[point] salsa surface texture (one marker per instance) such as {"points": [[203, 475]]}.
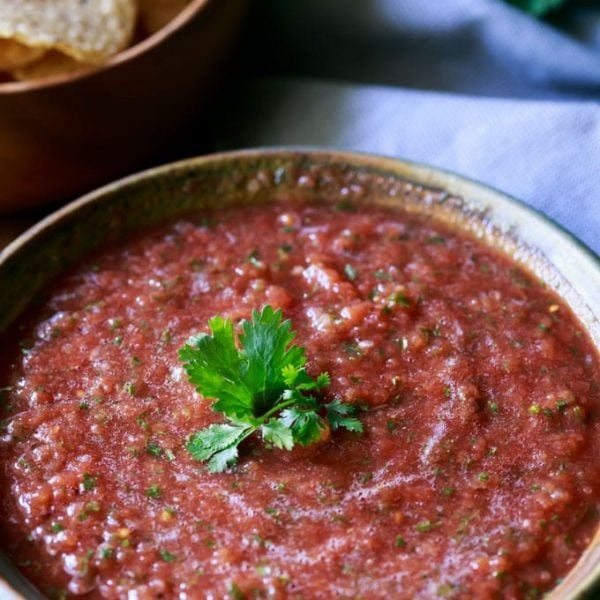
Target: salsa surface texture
{"points": [[477, 476]]}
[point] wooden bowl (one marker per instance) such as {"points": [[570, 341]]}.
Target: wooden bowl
{"points": [[62, 135], [145, 199]]}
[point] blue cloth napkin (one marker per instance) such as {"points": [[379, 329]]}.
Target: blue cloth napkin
{"points": [[474, 86]]}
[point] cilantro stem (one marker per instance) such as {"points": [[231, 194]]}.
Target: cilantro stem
{"points": [[275, 409]]}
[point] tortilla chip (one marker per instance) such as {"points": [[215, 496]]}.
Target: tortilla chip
{"points": [[155, 14], [89, 31], [14, 55], [51, 64]]}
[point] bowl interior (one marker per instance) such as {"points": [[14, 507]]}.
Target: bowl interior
{"points": [[143, 200]]}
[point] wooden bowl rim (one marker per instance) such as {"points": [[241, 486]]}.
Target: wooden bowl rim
{"points": [[194, 8]]}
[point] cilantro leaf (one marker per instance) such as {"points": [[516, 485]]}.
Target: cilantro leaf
{"points": [[214, 365], [215, 438], [260, 385], [340, 415], [296, 396], [323, 380], [278, 433], [220, 461], [266, 346], [297, 377], [307, 425]]}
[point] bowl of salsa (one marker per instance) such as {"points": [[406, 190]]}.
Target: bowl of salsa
{"points": [[299, 374]]}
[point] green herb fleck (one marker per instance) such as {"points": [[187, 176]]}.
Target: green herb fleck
{"points": [[154, 492], [579, 413], [207, 222], [346, 206], [210, 542], [403, 342], [350, 272], [262, 570], [89, 482], [115, 323], [254, 259], [425, 526], [88, 508], [532, 593], [142, 421], [365, 477], [4, 400], [400, 299], [444, 589], [400, 542], [130, 388], [235, 592], [352, 349], [167, 556], [260, 541], [153, 449], [23, 464], [56, 593], [196, 264], [436, 240]]}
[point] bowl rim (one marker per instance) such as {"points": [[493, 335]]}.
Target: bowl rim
{"points": [[417, 172], [193, 8], [420, 168]]}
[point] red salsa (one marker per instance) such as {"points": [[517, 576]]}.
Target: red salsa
{"points": [[477, 475]]}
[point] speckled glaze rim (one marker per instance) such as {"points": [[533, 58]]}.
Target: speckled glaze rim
{"points": [[533, 240], [129, 53]]}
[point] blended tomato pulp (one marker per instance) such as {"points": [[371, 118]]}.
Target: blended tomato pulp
{"points": [[477, 475]]}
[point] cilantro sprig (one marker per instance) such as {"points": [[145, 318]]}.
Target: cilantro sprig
{"points": [[262, 385]]}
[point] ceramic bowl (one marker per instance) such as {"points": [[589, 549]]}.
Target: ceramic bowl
{"points": [[142, 200], [63, 135]]}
